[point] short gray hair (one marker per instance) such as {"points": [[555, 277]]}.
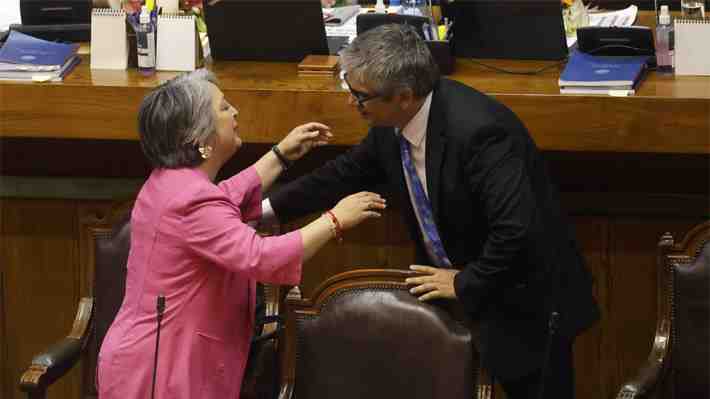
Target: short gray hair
{"points": [[175, 118], [391, 57]]}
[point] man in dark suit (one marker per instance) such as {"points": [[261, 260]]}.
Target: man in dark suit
{"points": [[479, 204]]}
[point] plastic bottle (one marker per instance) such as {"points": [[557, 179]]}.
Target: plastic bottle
{"points": [[412, 7], [664, 42], [145, 43], [380, 7]]}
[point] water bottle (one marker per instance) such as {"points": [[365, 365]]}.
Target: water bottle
{"points": [[664, 42], [145, 43], [414, 7]]}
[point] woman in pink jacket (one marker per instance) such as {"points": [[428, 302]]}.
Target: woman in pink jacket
{"points": [[190, 242]]}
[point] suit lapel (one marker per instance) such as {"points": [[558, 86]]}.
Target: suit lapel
{"points": [[435, 147]]}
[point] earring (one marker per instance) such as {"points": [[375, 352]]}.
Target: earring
{"points": [[205, 151]]}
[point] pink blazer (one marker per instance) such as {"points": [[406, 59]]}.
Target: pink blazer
{"points": [[189, 242]]}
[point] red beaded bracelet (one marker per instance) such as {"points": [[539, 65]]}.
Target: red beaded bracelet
{"points": [[337, 228]]}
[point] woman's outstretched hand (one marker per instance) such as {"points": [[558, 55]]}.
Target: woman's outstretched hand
{"points": [[355, 208], [303, 138]]}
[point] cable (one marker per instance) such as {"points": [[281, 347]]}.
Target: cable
{"points": [[533, 72], [640, 51], [545, 68]]}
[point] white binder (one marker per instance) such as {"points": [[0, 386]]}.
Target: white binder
{"points": [[109, 46], [178, 47]]}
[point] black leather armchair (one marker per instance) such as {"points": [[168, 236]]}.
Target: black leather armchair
{"points": [[362, 335], [678, 366]]}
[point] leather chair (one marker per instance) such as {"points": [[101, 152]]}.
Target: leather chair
{"points": [[363, 335], [107, 256], [678, 366]]}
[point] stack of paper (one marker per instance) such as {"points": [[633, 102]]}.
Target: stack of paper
{"points": [[24, 57], [591, 74]]}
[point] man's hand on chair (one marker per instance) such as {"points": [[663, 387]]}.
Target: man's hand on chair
{"points": [[437, 283]]}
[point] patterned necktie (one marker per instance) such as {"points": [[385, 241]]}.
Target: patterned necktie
{"points": [[422, 206]]}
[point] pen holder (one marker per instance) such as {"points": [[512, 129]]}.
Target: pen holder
{"points": [[441, 51]]}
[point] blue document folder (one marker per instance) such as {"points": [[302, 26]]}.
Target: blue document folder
{"points": [[602, 71], [23, 52]]}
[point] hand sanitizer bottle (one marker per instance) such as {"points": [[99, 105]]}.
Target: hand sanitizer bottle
{"points": [[145, 43], [664, 42]]}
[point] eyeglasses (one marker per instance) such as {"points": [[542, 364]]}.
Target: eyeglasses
{"points": [[359, 96]]}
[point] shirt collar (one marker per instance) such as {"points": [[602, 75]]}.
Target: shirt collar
{"points": [[415, 130]]}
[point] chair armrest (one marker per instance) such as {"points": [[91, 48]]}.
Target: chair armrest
{"points": [[642, 384], [286, 349], [58, 359], [648, 375], [484, 384], [269, 331]]}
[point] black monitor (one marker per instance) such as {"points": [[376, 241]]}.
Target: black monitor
{"points": [[265, 30], [512, 29]]}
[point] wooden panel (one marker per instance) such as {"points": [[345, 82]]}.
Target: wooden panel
{"points": [[41, 289], [646, 122], [377, 243], [589, 363], [41, 278], [102, 104]]}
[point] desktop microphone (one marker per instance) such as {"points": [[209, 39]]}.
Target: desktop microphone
{"points": [[160, 307], [551, 330]]}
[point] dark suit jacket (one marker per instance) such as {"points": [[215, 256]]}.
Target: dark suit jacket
{"points": [[498, 216]]}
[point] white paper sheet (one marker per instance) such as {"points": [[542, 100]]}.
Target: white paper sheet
{"points": [[9, 14]]}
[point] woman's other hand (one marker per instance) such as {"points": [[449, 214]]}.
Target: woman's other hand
{"points": [[303, 138], [355, 208]]}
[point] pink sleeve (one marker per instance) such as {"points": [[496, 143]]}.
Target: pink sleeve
{"points": [[214, 230], [244, 189]]}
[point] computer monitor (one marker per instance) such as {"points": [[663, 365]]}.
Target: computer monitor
{"points": [[512, 29], [265, 30]]}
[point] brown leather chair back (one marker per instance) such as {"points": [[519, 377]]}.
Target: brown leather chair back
{"points": [[364, 336], [677, 366], [690, 313], [110, 254]]}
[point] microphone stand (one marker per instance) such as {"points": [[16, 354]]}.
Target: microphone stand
{"points": [[160, 307], [551, 330]]}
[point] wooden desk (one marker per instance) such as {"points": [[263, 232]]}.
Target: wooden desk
{"points": [[668, 114]]}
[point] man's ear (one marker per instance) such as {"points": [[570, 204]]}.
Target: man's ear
{"points": [[405, 98]]}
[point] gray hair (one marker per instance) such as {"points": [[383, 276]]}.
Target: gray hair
{"points": [[391, 57], [175, 118]]}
